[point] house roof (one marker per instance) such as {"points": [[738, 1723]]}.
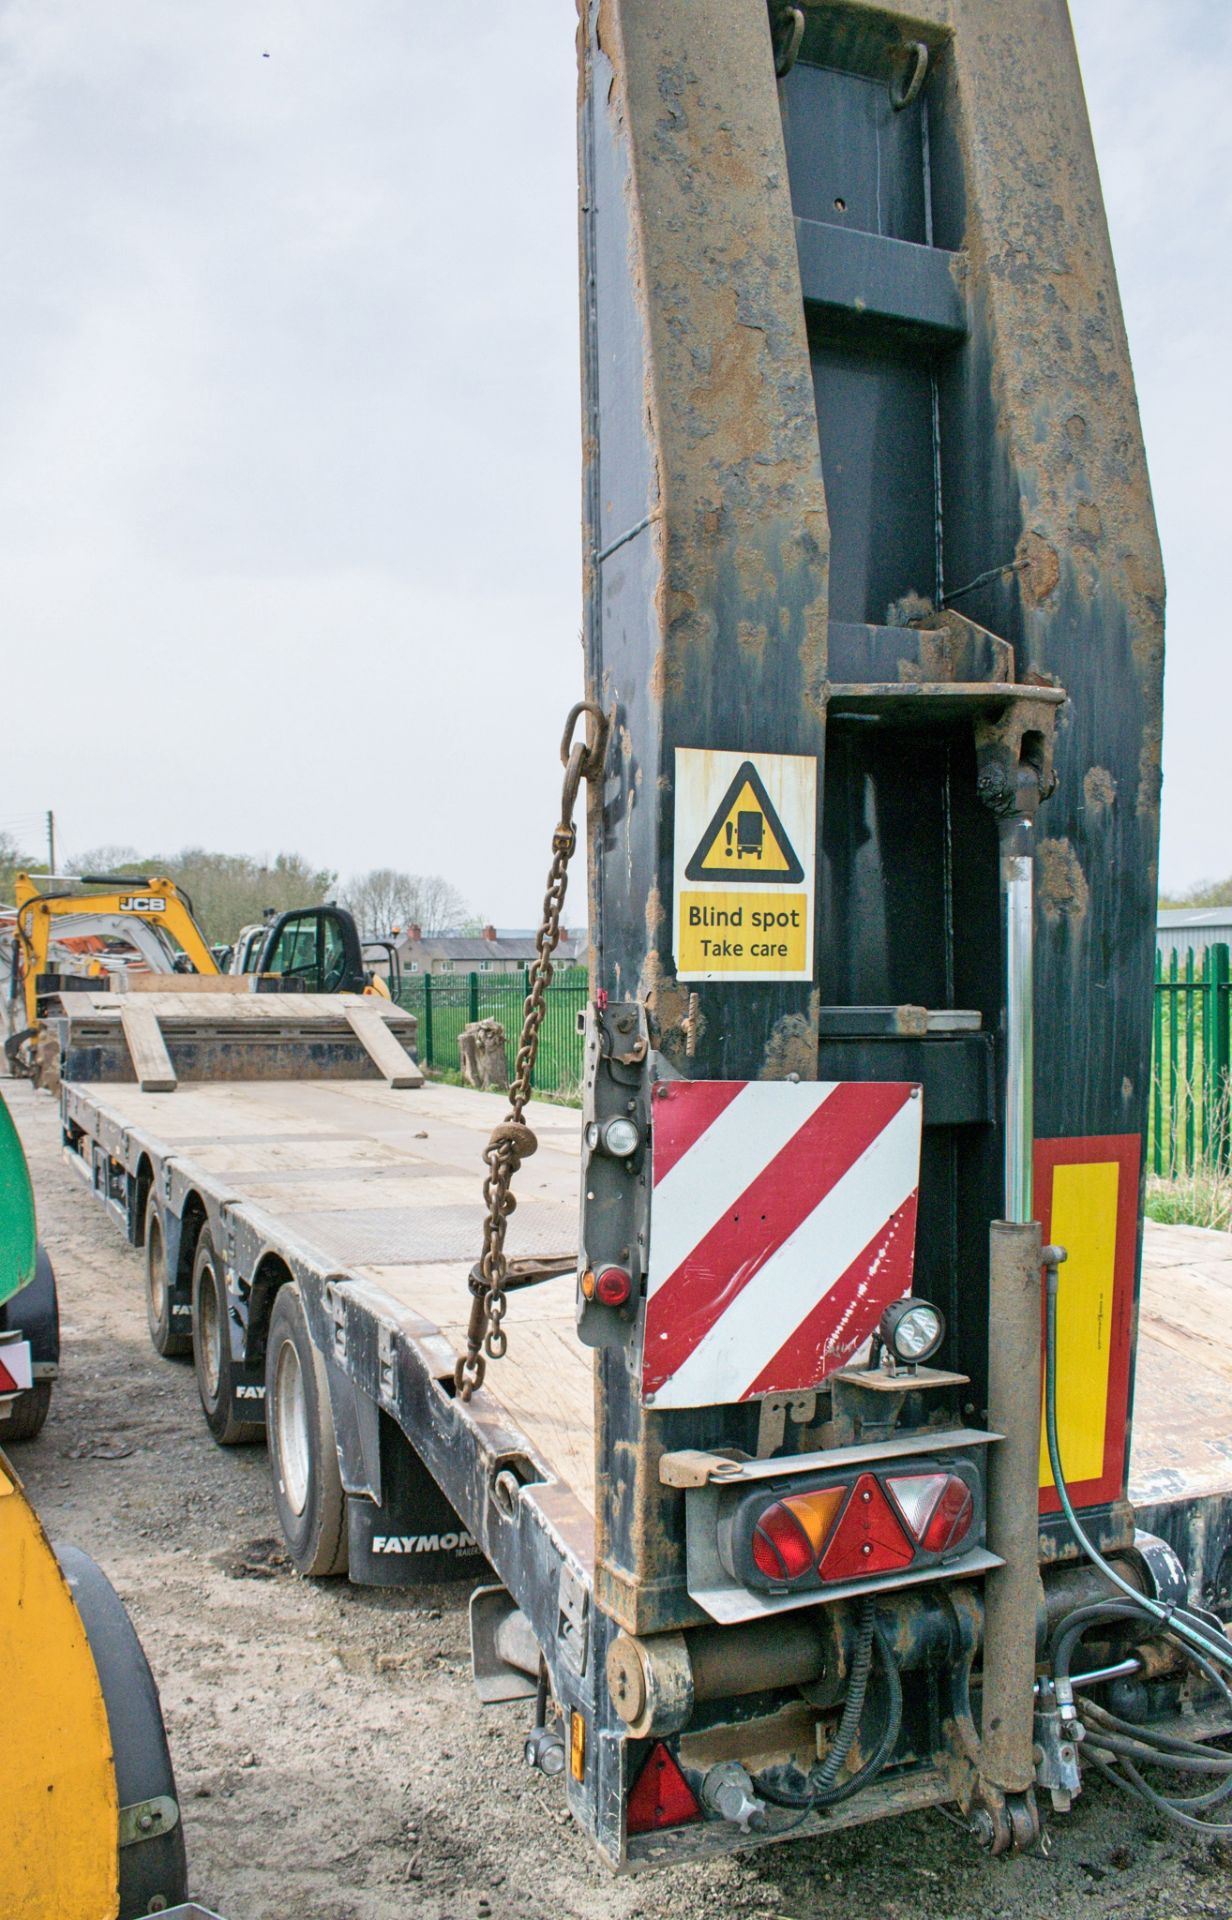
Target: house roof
{"points": [[519, 948], [1195, 917]]}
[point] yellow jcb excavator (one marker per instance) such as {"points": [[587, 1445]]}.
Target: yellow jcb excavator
{"points": [[64, 928]]}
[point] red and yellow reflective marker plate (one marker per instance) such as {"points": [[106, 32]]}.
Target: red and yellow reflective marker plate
{"points": [[1086, 1200]]}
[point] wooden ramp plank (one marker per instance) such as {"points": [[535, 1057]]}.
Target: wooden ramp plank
{"points": [[382, 1046], [151, 1061]]}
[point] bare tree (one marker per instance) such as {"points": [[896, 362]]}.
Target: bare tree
{"points": [[385, 898], [12, 862], [227, 890]]}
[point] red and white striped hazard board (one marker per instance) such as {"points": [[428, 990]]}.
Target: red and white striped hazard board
{"points": [[16, 1370], [782, 1225]]}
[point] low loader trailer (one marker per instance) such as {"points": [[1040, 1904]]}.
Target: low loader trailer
{"points": [[780, 1403]]}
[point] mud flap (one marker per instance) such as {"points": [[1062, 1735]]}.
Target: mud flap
{"points": [[411, 1536]]}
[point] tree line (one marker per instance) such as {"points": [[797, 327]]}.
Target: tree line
{"points": [[228, 891]]}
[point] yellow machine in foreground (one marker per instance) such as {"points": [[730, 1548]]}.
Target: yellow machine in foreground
{"points": [[91, 1827]]}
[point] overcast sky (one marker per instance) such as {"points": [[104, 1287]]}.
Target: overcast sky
{"points": [[289, 418]]}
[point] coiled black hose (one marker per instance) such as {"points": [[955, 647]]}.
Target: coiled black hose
{"points": [[823, 1792], [1117, 1747]]}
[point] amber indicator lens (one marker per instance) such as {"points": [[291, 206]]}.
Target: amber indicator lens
{"points": [[789, 1537]]}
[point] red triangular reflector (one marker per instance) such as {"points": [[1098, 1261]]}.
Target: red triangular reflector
{"points": [[661, 1795], [7, 1382], [868, 1539]]}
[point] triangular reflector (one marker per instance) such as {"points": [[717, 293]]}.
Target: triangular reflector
{"points": [[917, 1495], [868, 1539], [7, 1382], [661, 1795]]}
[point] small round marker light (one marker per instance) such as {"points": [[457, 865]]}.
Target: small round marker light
{"points": [[621, 1137], [912, 1330], [592, 1136], [613, 1287]]}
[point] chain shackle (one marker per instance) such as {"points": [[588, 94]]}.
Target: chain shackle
{"points": [[513, 1141]]}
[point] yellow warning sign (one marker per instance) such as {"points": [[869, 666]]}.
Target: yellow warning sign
{"points": [[742, 933], [746, 840], [745, 859]]}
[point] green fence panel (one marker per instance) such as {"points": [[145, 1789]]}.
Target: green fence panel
{"points": [[445, 1003], [1191, 1066]]}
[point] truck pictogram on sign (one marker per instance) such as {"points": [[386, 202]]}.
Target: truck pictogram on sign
{"points": [[745, 840]]}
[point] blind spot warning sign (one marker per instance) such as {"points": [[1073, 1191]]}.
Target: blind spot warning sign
{"points": [[745, 842], [745, 861]]}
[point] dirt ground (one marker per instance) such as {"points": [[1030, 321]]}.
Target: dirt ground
{"points": [[333, 1761]]}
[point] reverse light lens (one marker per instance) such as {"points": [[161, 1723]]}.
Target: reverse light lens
{"points": [[621, 1138], [613, 1287], [912, 1330]]}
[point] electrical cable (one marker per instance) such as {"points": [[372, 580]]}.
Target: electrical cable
{"points": [[1115, 1746], [871, 1635]]}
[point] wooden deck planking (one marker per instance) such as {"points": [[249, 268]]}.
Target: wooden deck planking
{"points": [[321, 1155]]}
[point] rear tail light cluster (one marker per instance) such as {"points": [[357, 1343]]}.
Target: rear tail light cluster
{"points": [[806, 1533]]}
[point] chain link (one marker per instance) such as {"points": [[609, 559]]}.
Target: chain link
{"points": [[513, 1141]]}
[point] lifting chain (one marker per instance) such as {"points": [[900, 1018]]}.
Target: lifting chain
{"points": [[513, 1141]]}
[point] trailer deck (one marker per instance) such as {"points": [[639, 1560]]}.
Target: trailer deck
{"points": [[382, 1187]]}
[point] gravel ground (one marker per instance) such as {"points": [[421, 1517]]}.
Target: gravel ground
{"points": [[333, 1762]]}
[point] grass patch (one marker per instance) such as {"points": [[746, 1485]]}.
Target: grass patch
{"points": [[1202, 1198]]}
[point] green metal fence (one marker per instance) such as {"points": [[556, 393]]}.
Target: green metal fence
{"points": [[444, 1003], [1191, 1063], [1191, 1079]]}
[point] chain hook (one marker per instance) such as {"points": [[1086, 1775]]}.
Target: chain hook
{"points": [[513, 1141]]}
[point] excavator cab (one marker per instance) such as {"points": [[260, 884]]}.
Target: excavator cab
{"points": [[316, 948]]}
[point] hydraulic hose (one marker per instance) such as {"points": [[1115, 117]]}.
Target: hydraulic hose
{"points": [[1118, 1747], [823, 1792]]}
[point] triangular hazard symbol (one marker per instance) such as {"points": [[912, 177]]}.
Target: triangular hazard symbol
{"points": [[868, 1539], [746, 841], [661, 1796]]}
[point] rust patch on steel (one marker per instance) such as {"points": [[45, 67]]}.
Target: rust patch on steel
{"points": [[1039, 568], [1099, 790], [792, 1045], [1061, 885]]}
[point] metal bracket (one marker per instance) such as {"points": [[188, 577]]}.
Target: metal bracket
{"points": [[775, 1411], [147, 1819], [573, 1625]]}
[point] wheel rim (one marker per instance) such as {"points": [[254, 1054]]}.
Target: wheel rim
{"points": [[291, 1426], [156, 1269], [209, 1331]]}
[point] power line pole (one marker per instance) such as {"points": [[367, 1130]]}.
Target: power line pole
{"points": [[51, 841]]}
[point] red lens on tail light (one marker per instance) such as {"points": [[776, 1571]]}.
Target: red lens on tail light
{"points": [[661, 1796], [613, 1286], [868, 1539], [951, 1518], [782, 1549]]}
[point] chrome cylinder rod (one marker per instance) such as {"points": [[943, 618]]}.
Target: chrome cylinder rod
{"points": [[1017, 889]]}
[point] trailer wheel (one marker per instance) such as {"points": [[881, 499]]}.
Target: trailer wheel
{"points": [[27, 1414], [165, 1336], [212, 1349], [153, 1869], [303, 1453]]}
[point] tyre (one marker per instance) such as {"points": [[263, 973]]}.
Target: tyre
{"points": [[153, 1870], [165, 1335], [212, 1349], [28, 1412], [303, 1454]]}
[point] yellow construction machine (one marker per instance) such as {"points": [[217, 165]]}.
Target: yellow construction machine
{"points": [[79, 928]]}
